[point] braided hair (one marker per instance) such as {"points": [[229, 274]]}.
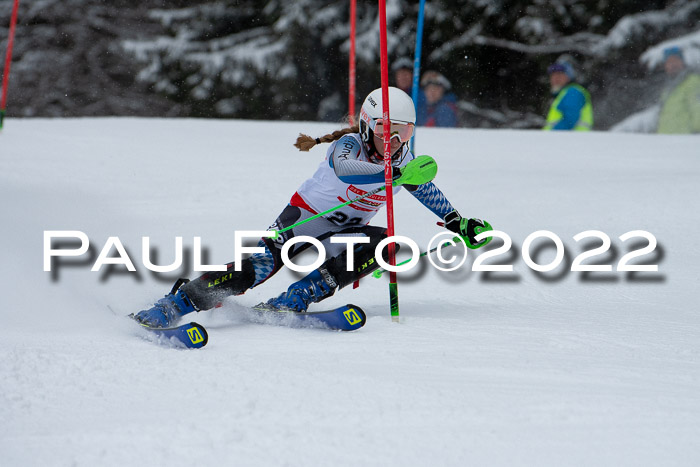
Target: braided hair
{"points": [[306, 142]]}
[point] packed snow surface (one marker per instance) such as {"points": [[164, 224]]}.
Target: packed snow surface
{"points": [[484, 368]]}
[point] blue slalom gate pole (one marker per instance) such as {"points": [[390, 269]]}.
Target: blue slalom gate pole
{"points": [[416, 62]]}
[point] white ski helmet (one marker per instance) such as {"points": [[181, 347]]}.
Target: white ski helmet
{"points": [[401, 111]]}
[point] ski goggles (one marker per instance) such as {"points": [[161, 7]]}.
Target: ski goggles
{"points": [[402, 131]]}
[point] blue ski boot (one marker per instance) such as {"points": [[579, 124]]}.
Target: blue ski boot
{"points": [[166, 311], [313, 288]]}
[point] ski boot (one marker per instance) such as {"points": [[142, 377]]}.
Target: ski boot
{"points": [[167, 310], [313, 288]]}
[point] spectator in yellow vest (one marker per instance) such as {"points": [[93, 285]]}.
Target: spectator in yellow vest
{"points": [[572, 108], [680, 101]]}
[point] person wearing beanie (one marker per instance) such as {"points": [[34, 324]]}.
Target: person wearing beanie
{"points": [[403, 74], [680, 101], [403, 79], [438, 108], [572, 108]]}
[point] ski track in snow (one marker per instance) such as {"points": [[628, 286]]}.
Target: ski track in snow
{"points": [[559, 368]]}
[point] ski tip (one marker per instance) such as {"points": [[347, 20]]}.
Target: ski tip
{"points": [[197, 335], [355, 316], [190, 335]]}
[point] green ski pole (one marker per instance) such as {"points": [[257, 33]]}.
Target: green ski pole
{"points": [[378, 273], [455, 240], [315, 216], [420, 170]]}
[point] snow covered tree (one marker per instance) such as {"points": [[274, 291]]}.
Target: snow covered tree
{"points": [[288, 60]]}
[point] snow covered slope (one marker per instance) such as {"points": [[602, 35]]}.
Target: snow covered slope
{"points": [[506, 368]]}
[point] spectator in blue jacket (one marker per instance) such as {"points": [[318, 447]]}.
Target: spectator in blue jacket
{"points": [[572, 108], [439, 107]]}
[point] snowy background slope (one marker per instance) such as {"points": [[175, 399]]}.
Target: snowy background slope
{"points": [[560, 368]]}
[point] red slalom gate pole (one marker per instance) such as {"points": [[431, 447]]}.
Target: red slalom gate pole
{"points": [[391, 247], [351, 90], [8, 60]]}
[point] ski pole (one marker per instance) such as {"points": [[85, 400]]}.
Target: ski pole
{"points": [[315, 216], [378, 273], [420, 170]]}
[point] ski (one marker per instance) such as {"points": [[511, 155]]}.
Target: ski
{"points": [[194, 335], [344, 318], [190, 335]]}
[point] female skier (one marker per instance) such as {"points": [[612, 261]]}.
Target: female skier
{"points": [[353, 166]]}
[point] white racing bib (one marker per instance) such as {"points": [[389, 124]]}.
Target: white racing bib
{"points": [[324, 190]]}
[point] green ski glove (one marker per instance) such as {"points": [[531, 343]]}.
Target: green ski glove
{"points": [[468, 229]]}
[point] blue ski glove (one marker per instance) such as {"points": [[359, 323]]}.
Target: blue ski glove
{"points": [[467, 229]]}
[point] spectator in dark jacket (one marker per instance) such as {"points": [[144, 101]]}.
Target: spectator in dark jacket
{"points": [[403, 74], [403, 79], [439, 107]]}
